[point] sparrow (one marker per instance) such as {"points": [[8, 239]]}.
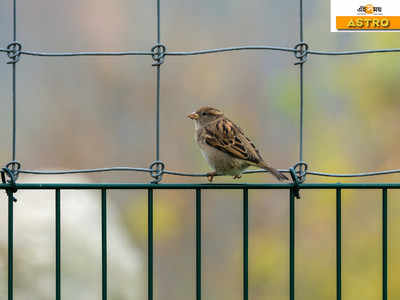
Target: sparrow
{"points": [[224, 145]]}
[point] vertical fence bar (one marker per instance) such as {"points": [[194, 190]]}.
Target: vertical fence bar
{"points": [[158, 116], [384, 246], [338, 244], [245, 244], [10, 244], [58, 244], [150, 244], [10, 197], [291, 247], [301, 88], [104, 243], [301, 114], [158, 87], [14, 91], [198, 244], [14, 88]]}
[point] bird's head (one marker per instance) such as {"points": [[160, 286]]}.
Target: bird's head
{"points": [[205, 115]]}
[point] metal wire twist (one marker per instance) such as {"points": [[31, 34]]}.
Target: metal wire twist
{"points": [[298, 173], [15, 166], [158, 53], [11, 170], [157, 170], [301, 53], [300, 170], [9, 173], [14, 52]]}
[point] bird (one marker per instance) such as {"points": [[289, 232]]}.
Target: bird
{"points": [[224, 145]]}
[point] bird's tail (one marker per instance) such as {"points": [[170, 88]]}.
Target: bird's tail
{"points": [[280, 176]]}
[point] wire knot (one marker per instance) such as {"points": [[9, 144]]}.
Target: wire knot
{"points": [[158, 53], [157, 170], [298, 173], [12, 171], [301, 53], [14, 52], [301, 169]]}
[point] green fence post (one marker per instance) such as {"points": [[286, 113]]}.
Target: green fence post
{"points": [[384, 246], [58, 245], [104, 243], [150, 245], [198, 244], [245, 244], [291, 246], [338, 244], [10, 244]]}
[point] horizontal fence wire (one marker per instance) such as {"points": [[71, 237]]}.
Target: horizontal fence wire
{"points": [[189, 174], [196, 52], [79, 53]]}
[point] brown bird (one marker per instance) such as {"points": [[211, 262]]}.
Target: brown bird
{"points": [[225, 146]]}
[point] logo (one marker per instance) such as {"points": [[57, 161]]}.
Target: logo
{"points": [[365, 15], [369, 9]]}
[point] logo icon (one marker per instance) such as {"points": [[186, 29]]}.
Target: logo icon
{"points": [[369, 9]]}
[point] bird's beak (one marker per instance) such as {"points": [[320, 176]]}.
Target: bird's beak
{"points": [[193, 116]]}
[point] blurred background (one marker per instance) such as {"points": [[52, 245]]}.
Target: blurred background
{"points": [[92, 112]]}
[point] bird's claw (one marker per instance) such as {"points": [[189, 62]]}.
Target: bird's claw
{"points": [[237, 176], [210, 176]]}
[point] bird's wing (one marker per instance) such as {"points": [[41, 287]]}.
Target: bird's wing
{"points": [[225, 136]]}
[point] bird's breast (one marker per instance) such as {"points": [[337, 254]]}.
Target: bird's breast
{"points": [[222, 162]]}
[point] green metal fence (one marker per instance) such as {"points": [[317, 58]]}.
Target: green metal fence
{"points": [[197, 198]]}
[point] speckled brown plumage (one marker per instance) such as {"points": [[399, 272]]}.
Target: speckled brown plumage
{"points": [[225, 146]]}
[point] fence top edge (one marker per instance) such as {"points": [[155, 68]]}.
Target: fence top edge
{"points": [[143, 186]]}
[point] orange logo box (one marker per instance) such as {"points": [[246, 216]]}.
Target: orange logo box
{"points": [[367, 22]]}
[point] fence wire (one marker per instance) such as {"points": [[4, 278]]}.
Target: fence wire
{"points": [[189, 53], [158, 53]]}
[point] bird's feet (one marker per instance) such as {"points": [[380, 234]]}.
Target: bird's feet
{"points": [[237, 176], [210, 176]]}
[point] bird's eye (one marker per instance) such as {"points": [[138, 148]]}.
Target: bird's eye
{"points": [[203, 113]]}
